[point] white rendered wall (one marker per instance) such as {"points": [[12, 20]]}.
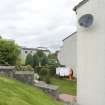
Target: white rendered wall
{"points": [[91, 55], [68, 53], [23, 54]]}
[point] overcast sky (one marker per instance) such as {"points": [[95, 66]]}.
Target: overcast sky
{"points": [[34, 23]]}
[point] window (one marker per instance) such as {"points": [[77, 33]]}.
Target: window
{"points": [[26, 52]]}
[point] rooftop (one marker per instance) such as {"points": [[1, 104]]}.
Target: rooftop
{"points": [[38, 48], [70, 36], [80, 4]]}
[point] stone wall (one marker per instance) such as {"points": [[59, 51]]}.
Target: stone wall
{"points": [[7, 71], [23, 76]]}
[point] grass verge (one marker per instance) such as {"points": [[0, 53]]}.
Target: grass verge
{"points": [[65, 86], [15, 93]]}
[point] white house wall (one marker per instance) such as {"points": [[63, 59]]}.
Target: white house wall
{"points": [[23, 54], [67, 55], [91, 55]]}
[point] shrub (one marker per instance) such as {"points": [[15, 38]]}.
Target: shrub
{"points": [[44, 74], [44, 60], [40, 53], [52, 68], [24, 68], [35, 60], [9, 52], [62, 66], [37, 69], [29, 60]]}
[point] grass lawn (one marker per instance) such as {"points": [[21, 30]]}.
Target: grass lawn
{"points": [[65, 86], [16, 93]]}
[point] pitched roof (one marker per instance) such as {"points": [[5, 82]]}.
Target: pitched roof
{"points": [[25, 48], [80, 4], [38, 48], [70, 36]]}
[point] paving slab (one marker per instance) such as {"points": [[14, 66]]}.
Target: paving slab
{"points": [[67, 98]]}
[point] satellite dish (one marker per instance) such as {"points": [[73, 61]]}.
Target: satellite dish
{"points": [[86, 20]]}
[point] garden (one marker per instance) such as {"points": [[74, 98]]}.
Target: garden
{"points": [[39, 63]]}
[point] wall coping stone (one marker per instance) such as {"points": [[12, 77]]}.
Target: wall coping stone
{"points": [[7, 67]]}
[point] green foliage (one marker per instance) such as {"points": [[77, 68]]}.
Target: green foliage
{"points": [[44, 60], [53, 63], [40, 53], [18, 61], [52, 56], [37, 69], [41, 56], [9, 52], [44, 74], [29, 60], [62, 66], [52, 69], [24, 68], [53, 59], [35, 60]]}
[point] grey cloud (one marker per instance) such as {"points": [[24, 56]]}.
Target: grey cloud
{"points": [[37, 22]]}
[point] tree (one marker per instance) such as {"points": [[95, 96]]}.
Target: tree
{"points": [[44, 60], [40, 53], [35, 60], [29, 60], [53, 59], [9, 52]]}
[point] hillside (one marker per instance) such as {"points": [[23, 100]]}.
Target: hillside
{"points": [[15, 93]]}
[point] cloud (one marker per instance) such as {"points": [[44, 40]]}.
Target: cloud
{"points": [[35, 23]]}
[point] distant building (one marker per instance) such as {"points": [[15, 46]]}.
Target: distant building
{"points": [[91, 53], [68, 52], [25, 51], [44, 49]]}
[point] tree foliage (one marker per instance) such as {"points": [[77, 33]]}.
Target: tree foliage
{"points": [[40, 53], [43, 60], [35, 60], [9, 52], [29, 60], [53, 59]]}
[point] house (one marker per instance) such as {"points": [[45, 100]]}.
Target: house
{"points": [[91, 53], [44, 49], [25, 51], [67, 54]]}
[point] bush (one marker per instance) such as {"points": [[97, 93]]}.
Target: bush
{"points": [[37, 69], [9, 52], [62, 66], [52, 69], [44, 74], [44, 60], [24, 68], [35, 60], [29, 60]]}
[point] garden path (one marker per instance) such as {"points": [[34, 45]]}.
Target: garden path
{"points": [[67, 98]]}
